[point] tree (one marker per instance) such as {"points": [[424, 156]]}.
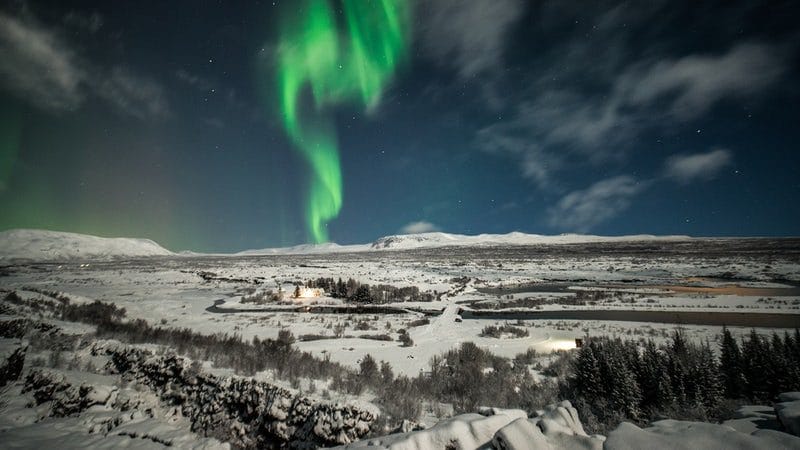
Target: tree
{"points": [[368, 370], [654, 379], [755, 360], [361, 294], [296, 292], [405, 339], [731, 365], [708, 390], [387, 375], [587, 373]]}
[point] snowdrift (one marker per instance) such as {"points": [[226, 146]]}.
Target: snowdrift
{"points": [[558, 427]]}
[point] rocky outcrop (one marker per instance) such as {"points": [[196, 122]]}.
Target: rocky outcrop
{"points": [[18, 328], [788, 411], [12, 361], [556, 427], [65, 398], [245, 412], [676, 434]]}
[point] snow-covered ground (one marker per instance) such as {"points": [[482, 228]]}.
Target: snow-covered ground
{"points": [[41, 245], [509, 277], [668, 274]]}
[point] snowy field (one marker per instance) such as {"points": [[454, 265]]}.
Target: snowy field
{"points": [[488, 285], [505, 294]]}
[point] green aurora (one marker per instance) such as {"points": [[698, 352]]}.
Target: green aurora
{"points": [[349, 62]]}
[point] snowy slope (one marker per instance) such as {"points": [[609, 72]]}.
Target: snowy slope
{"points": [[438, 239], [41, 245], [423, 240], [306, 249]]}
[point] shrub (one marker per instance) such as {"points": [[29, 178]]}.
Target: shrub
{"points": [[503, 330]]}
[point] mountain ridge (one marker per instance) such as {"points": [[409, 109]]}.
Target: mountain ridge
{"points": [[45, 245]]}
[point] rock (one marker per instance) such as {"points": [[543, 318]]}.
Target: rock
{"points": [[65, 399], [675, 434], [245, 412], [407, 426], [523, 434], [788, 397], [749, 418], [11, 363], [788, 411], [557, 427]]}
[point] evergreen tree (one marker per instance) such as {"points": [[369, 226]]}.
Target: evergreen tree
{"points": [[587, 373], [387, 374], [361, 294], [625, 395], [654, 379], [708, 392], [792, 362], [678, 367], [368, 370], [779, 367], [350, 288], [731, 365], [755, 367]]}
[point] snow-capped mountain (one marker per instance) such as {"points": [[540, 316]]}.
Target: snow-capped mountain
{"points": [[438, 239], [306, 249], [42, 245]]}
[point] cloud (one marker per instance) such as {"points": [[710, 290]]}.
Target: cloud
{"points": [[698, 166], [419, 227], [693, 84], [89, 22], [134, 95], [555, 125], [467, 34], [40, 66], [582, 210], [193, 80]]}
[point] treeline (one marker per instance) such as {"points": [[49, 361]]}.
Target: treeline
{"points": [[615, 380], [230, 351], [93, 313], [466, 378], [354, 291]]}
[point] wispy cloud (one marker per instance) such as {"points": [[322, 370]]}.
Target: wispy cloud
{"points": [[556, 124], [582, 210], [38, 66], [698, 166], [193, 80], [91, 22], [418, 227], [134, 95], [694, 83], [467, 34], [41, 66]]}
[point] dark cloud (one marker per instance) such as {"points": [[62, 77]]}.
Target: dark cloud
{"points": [[43, 67], [615, 71]]}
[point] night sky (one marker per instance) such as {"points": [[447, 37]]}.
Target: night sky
{"points": [[166, 120]]}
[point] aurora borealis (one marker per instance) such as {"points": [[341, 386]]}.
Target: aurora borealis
{"points": [[313, 51], [222, 127]]}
